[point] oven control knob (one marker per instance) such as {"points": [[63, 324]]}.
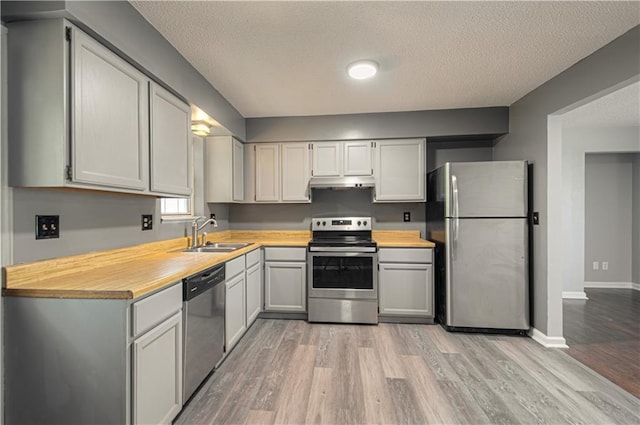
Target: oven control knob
{"points": [[359, 223], [317, 223], [365, 223], [324, 223]]}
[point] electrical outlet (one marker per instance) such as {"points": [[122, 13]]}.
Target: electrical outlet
{"points": [[407, 216], [147, 221], [47, 226], [596, 265], [605, 265]]}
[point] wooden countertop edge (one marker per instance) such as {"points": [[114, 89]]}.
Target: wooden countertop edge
{"points": [[35, 279], [408, 244], [68, 294]]}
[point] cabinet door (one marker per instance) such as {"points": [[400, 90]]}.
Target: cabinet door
{"points": [[327, 159], [267, 173], [285, 288], [254, 292], [399, 170], [295, 172], [250, 173], [157, 373], [170, 132], [110, 117], [238, 171], [406, 289], [357, 159], [234, 315]]}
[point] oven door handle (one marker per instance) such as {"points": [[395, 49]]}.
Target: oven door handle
{"points": [[342, 249]]}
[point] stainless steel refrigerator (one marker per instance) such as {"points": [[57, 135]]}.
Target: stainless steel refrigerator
{"points": [[477, 213]]}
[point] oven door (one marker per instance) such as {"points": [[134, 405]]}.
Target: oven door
{"points": [[344, 275]]}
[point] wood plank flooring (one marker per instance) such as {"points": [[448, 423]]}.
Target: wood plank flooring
{"points": [[290, 371], [603, 333]]}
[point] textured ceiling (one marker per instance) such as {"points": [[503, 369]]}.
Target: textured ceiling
{"points": [[618, 109], [289, 58]]}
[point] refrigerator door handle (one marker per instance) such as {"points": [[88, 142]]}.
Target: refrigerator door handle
{"points": [[454, 197]]}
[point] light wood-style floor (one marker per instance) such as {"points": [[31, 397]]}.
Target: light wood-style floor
{"points": [[295, 372]]}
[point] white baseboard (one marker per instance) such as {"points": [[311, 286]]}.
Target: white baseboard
{"points": [[574, 295], [612, 285], [548, 341]]}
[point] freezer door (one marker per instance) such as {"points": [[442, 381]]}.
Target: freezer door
{"points": [[486, 189], [486, 277]]}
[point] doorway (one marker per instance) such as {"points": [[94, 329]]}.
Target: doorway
{"points": [[598, 324]]}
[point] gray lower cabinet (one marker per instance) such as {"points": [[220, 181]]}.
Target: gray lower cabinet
{"points": [[157, 373], [235, 304], [93, 361], [405, 282], [254, 286], [285, 277]]}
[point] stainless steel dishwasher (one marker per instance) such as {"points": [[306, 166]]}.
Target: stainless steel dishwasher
{"points": [[203, 310]]}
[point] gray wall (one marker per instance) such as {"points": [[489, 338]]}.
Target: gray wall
{"points": [[121, 26], [450, 122], [89, 221], [327, 203], [576, 144], [608, 216], [613, 64], [440, 152], [635, 219]]}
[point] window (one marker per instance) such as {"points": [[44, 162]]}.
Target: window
{"points": [[172, 207]]}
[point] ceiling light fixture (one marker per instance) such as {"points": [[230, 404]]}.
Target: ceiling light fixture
{"points": [[200, 128], [363, 69]]}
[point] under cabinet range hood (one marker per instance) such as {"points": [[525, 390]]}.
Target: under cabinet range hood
{"points": [[345, 182]]}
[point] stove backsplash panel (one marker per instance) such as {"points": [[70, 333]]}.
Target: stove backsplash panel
{"points": [[327, 203]]}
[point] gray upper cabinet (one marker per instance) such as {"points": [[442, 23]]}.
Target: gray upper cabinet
{"points": [[110, 135], [80, 116], [224, 169], [327, 159], [335, 159], [278, 172], [399, 170], [295, 172], [170, 133], [267, 185], [357, 158]]}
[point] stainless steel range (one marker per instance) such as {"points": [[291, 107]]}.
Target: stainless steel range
{"points": [[343, 271]]}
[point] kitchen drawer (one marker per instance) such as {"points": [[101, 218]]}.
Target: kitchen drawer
{"points": [[285, 254], [405, 255], [253, 257], [154, 309], [234, 267]]}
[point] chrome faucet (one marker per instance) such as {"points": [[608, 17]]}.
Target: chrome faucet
{"points": [[195, 229]]}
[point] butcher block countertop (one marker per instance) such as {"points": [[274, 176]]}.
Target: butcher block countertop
{"points": [[400, 239], [133, 272]]}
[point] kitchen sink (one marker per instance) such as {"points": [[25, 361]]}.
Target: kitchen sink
{"points": [[232, 245], [219, 247]]}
